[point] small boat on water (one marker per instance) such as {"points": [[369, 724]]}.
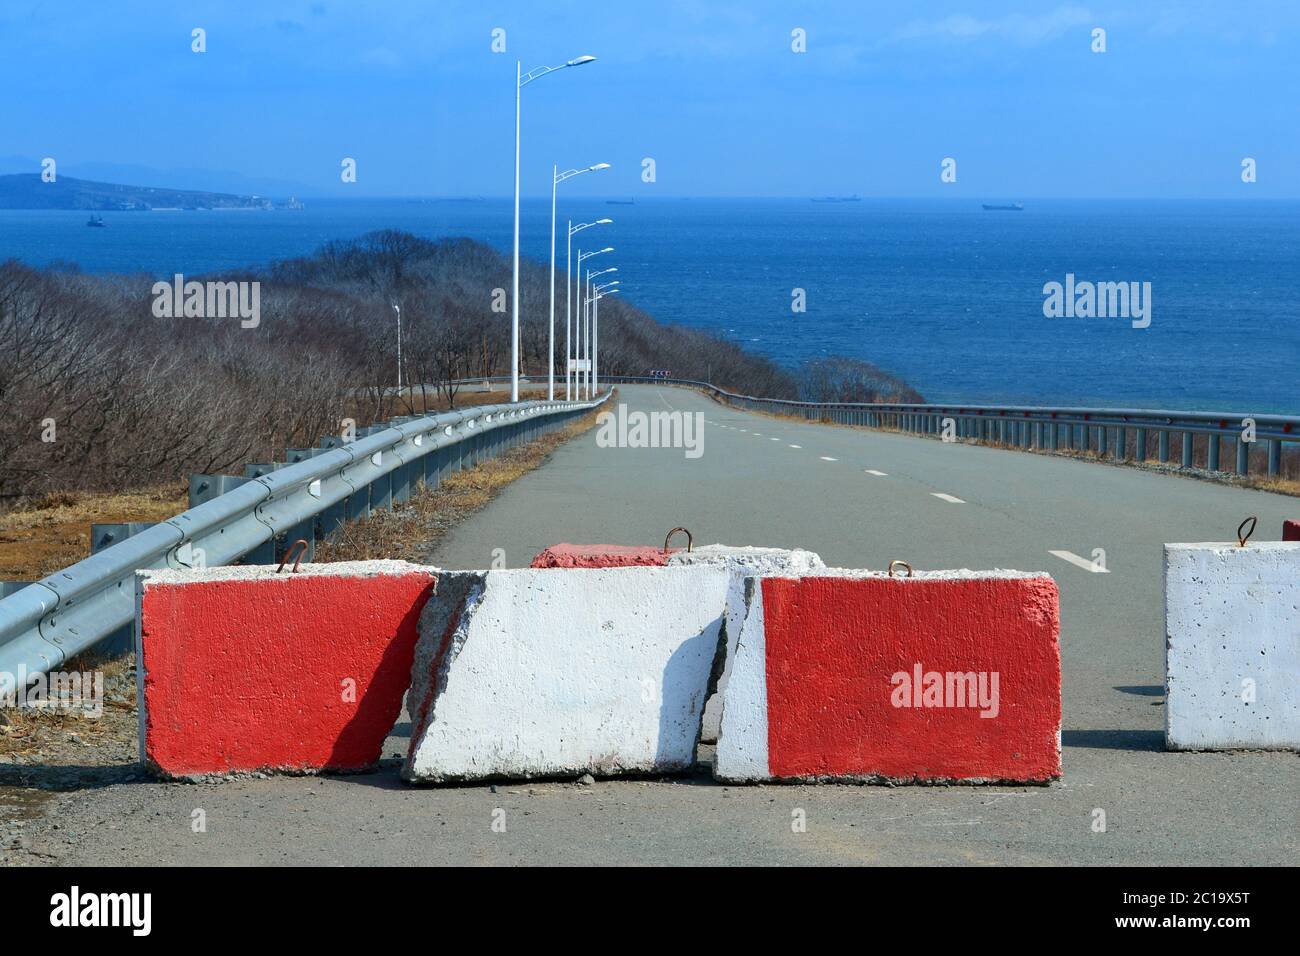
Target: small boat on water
{"points": [[853, 198], [1007, 206], [620, 202], [96, 222]]}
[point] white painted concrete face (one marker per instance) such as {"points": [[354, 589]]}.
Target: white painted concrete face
{"points": [[560, 671], [1232, 646], [741, 562], [742, 741]]}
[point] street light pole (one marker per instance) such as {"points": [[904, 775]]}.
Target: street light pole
{"points": [[587, 331], [398, 309], [521, 80], [558, 177], [568, 289]]}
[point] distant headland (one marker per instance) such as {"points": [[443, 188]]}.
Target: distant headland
{"points": [[30, 191]]}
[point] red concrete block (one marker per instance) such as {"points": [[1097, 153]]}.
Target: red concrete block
{"points": [[600, 556], [924, 679], [244, 669], [1291, 530]]}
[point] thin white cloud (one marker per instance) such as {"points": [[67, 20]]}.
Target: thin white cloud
{"points": [[1028, 30]]}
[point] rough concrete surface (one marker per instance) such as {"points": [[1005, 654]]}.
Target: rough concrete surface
{"points": [[246, 669], [941, 678], [740, 561], [554, 671], [1233, 646]]}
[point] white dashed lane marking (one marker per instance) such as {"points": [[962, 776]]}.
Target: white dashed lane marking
{"points": [[828, 458], [878, 474], [1078, 561], [796, 446], [942, 497]]}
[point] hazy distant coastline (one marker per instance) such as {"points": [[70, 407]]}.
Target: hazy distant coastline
{"points": [[31, 191]]}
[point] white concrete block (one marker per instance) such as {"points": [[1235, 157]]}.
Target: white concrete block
{"points": [[562, 671], [1232, 646], [741, 562]]}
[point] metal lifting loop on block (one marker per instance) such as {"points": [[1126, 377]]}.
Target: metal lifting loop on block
{"points": [[1243, 538], [690, 541], [903, 563], [289, 554]]}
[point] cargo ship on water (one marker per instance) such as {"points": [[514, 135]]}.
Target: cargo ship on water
{"points": [[1005, 206]]}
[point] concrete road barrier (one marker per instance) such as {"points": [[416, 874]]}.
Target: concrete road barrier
{"points": [[244, 669], [549, 672], [740, 562], [1232, 658], [599, 556], [948, 676]]}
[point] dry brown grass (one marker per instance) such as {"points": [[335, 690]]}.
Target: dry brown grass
{"points": [[409, 530], [52, 737], [42, 535]]}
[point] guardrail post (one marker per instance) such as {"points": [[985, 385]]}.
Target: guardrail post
{"points": [[1163, 445], [104, 536], [1243, 456], [1274, 456], [1121, 443], [1187, 449], [271, 551], [332, 518], [1140, 452], [206, 487], [1212, 453]]}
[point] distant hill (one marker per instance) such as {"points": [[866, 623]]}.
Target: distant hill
{"points": [[28, 191]]}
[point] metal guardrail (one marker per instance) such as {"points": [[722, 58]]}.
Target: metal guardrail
{"points": [[1101, 430], [51, 620]]}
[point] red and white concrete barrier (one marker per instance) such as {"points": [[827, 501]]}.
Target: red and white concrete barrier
{"points": [[550, 672], [244, 669], [1232, 653], [950, 676], [1291, 530], [740, 563]]}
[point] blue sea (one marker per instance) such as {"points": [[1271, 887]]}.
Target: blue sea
{"points": [[942, 293]]}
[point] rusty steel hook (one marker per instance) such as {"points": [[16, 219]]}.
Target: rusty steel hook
{"points": [[1243, 538], [690, 540], [903, 563], [289, 554]]}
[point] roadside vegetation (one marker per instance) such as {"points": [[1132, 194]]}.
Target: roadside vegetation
{"points": [[100, 395]]}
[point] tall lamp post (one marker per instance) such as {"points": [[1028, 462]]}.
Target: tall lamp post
{"points": [[584, 331], [568, 297], [558, 177], [521, 80], [600, 292], [398, 309], [591, 339]]}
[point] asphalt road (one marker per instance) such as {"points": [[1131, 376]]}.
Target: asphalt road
{"points": [[860, 499]]}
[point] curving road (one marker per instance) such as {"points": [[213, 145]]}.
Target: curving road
{"points": [[859, 499]]}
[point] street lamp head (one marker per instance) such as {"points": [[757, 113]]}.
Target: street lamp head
{"points": [[608, 249], [598, 166], [603, 222], [579, 60]]}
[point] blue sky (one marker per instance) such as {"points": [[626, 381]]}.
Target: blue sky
{"points": [[712, 91]]}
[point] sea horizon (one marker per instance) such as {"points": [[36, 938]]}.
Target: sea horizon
{"points": [[937, 290]]}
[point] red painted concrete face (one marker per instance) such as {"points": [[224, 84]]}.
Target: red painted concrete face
{"points": [[913, 680], [600, 556], [278, 672], [1291, 530]]}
